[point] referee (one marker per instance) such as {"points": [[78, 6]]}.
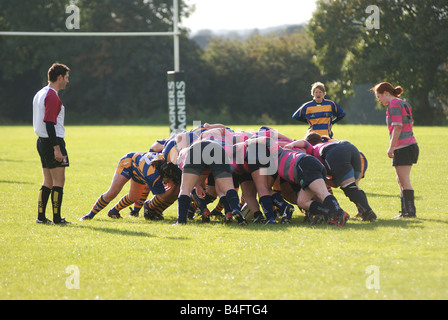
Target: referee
{"points": [[48, 123]]}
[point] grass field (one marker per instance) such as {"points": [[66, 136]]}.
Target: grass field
{"points": [[133, 258]]}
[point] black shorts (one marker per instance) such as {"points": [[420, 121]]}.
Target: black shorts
{"points": [[258, 156], [211, 180], [342, 161], [309, 169], [208, 155], [406, 156], [46, 153]]}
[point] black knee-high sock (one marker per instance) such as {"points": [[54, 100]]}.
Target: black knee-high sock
{"points": [[317, 208], [278, 200], [56, 199], [233, 199], [357, 196], [267, 206], [408, 199], [332, 205], [183, 203], [225, 204], [44, 195], [403, 207]]}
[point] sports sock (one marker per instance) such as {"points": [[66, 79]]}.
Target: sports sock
{"points": [[278, 201], [357, 196], [225, 204], [219, 206], [267, 206], [123, 203], [233, 200], [403, 207], [242, 200], [56, 199], [140, 202], [183, 203], [44, 195], [317, 208], [158, 204], [408, 199], [99, 205], [199, 201], [332, 205]]}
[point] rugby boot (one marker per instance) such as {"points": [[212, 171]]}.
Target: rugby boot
{"points": [[340, 219], [368, 216], [259, 217], [217, 214], [206, 216], [44, 221], [62, 222], [287, 214], [87, 217], [228, 218], [315, 219], [133, 213], [151, 214], [239, 217], [114, 215], [245, 210]]}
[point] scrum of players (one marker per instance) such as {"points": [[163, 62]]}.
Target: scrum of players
{"points": [[257, 177]]}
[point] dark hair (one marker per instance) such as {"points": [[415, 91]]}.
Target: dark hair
{"points": [[166, 169], [386, 86], [56, 70], [170, 170], [314, 138]]}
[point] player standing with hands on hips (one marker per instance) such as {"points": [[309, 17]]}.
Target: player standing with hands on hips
{"points": [[48, 123], [321, 114], [403, 147]]}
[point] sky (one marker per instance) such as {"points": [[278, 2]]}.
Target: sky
{"points": [[247, 14]]}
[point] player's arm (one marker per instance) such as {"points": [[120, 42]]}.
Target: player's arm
{"points": [[298, 115], [396, 115], [339, 114], [393, 140], [209, 126], [52, 109], [54, 142], [302, 144]]}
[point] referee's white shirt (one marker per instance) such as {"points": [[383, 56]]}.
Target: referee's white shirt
{"points": [[39, 113]]}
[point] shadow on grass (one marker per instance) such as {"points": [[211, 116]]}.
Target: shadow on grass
{"points": [[116, 231], [15, 182], [386, 223], [382, 195], [122, 232], [297, 222]]}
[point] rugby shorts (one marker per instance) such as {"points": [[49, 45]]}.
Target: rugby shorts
{"points": [[46, 153]]}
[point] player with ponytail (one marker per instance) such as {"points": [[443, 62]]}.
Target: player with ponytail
{"points": [[403, 147]]}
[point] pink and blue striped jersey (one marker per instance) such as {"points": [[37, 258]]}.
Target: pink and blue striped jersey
{"points": [[399, 113], [287, 163]]}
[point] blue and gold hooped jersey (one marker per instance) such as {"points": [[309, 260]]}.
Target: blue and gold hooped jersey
{"points": [[319, 115], [146, 173], [125, 167]]}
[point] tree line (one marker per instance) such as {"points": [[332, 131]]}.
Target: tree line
{"points": [[239, 80]]}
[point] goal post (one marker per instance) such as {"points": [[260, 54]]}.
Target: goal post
{"points": [[176, 75]]}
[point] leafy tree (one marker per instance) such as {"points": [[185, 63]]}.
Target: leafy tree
{"points": [[410, 48], [113, 78], [266, 76]]}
